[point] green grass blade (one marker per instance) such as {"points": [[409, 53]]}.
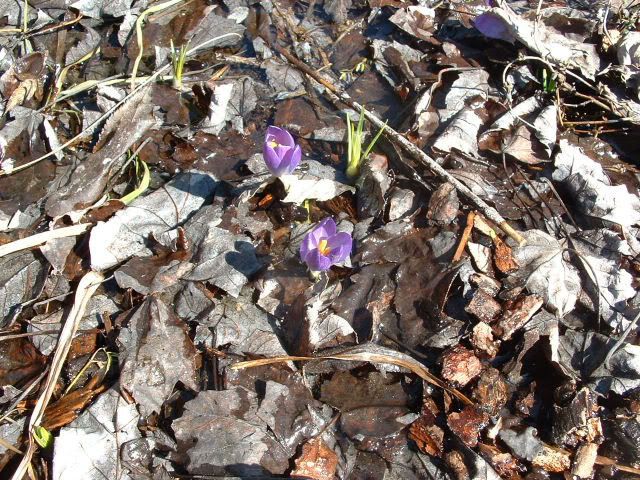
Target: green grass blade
{"points": [[373, 142]]}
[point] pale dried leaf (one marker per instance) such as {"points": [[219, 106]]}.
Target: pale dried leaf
{"points": [[89, 448], [461, 134], [127, 232], [505, 24], [319, 182], [545, 271], [156, 353], [591, 188]]}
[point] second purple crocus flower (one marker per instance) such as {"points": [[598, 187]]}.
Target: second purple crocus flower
{"points": [[323, 246], [281, 154]]}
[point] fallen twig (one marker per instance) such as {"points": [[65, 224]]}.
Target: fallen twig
{"points": [[398, 359], [466, 234], [85, 291], [40, 238], [336, 95]]}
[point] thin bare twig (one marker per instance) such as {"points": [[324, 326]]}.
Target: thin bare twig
{"points": [[621, 340]]}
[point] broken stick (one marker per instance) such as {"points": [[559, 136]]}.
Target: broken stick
{"points": [[336, 95]]}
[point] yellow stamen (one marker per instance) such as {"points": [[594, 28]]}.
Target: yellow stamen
{"points": [[273, 144], [323, 248]]}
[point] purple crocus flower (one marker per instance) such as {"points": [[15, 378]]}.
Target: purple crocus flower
{"points": [[323, 246], [281, 154]]}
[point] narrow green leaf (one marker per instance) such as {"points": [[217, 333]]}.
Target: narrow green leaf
{"points": [[142, 186]]}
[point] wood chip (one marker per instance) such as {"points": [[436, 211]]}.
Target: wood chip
{"points": [[317, 461], [460, 366], [584, 460]]}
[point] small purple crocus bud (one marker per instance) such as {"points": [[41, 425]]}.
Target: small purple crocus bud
{"points": [[493, 26], [323, 246], [281, 154]]}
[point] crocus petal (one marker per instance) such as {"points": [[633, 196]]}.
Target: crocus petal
{"points": [[292, 158], [271, 159], [281, 136], [282, 151], [318, 262], [340, 244], [328, 227], [307, 245]]}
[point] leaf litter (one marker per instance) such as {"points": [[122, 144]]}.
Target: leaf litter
{"points": [[482, 319]]}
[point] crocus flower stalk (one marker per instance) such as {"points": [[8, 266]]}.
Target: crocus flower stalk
{"points": [[323, 246], [281, 154]]}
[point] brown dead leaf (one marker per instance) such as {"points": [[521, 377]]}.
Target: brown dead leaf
{"points": [[19, 361], [503, 463], [29, 67], [503, 257], [68, 408], [25, 91], [429, 438], [317, 461]]}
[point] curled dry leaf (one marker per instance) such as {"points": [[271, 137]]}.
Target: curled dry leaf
{"points": [[591, 188], [25, 91], [428, 436], [418, 21]]}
